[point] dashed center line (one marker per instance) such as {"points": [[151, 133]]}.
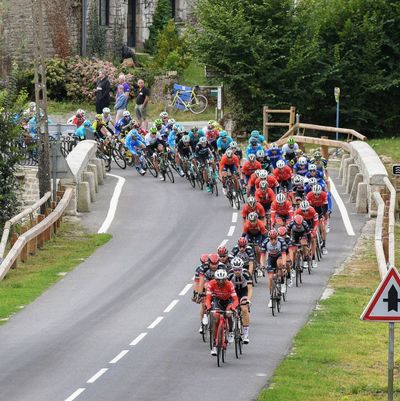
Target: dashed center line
{"points": [[154, 324], [171, 306], [185, 289], [119, 356], [75, 395], [231, 231], [223, 243], [138, 338], [234, 217], [97, 375]]}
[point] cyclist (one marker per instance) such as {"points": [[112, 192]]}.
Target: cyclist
{"points": [[301, 167], [245, 252], [241, 280], [204, 156], [281, 211], [254, 230], [124, 125], [283, 175], [100, 131], [223, 142], [274, 154], [164, 117], [255, 179], [249, 167], [204, 260], [265, 195], [253, 147], [318, 199], [264, 160], [299, 229], [322, 166], [298, 188], [223, 255], [314, 172], [221, 293], [311, 217], [236, 150], [195, 134], [185, 151], [289, 150], [256, 134], [80, 133], [135, 143], [229, 163], [79, 118], [212, 135], [154, 144], [253, 206], [282, 233], [311, 183], [273, 258], [108, 122], [173, 139]]}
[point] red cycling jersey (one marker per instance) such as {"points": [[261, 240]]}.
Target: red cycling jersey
{"points": [[254, 181], [265, 197], [212, 135], [225, 161], [310, 215], [283, 174], [317, 201], [254, 229], [258, 209], [249, 168], [224, 293], [284, 209]]}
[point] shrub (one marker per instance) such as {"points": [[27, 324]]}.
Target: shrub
{"points": [[96, 45], [55, 73]]}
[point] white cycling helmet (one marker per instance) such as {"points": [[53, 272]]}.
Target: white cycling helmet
{"points": [[317, 189], [263, 174], [163, 114], [302, 161], [229, 153], [280, 198], [260, 153], [280, 164], [237, 263], [304, 205], [274, 146], [171, 121], [126, 113], [297, 179], [233, 145], [220, 274], [312, 167], [312, 181], [251, 201], [263, 184], [252, 157], [81, 112], [106, 110], [203, 140], [253, 217]]}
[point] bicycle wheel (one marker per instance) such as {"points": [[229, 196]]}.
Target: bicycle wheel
{"points": [[205, 332], [236, 200], [118, 158], [169, 173], [215, 186], [191, 179], [238, 336], [220, 344], [198, 104], [210, 330], [298, 266], [255, 274], [273, 299], [278, 301]]}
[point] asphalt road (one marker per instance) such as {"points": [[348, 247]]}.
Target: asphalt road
{"points": [[91, 325]]}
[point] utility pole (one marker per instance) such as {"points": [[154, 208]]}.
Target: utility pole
{"points": [[42, 128]]}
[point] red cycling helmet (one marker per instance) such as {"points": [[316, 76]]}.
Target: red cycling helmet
{"points": [[222, 251], [272, 234], [298, 219], [204, 258], [282, 231], [213, 258], [242, 241]]}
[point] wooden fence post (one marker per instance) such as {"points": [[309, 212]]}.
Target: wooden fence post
{"points": [[292, 116], [40, 237], [324, 149], [265, 122], [24, 252]]}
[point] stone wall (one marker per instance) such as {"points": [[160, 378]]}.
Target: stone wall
{"points": [[29, 186]]}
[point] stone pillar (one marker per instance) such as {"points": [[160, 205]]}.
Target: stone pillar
{"points": [[346, 164], [83, 203], [359, 178], [100, 172], [344, 157], [89, 178], [93, 169], [351, 173], [362, 198]]}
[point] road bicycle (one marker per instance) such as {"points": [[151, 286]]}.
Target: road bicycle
{"points": [[190, 100], [258, 270], [276, 294], [238, 332], [221, 342], [165, 166], [108, 150], [231, 192]]}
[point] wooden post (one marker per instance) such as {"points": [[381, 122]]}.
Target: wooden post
{"points": [[24, 252], [292, 116], [40, 237], [13, 240], [266, 131], [325, 149]]}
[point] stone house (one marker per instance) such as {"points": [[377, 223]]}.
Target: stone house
{"points": [[70, 19]]}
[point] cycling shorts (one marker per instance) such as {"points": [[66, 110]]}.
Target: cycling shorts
{"points": [[232, 168], [321, 210], [220, 304], [241, 292], [255, 238], [286, 184], [272, 263]]}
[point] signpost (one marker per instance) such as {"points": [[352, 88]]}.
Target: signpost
{"points": [[337, 97], [384, 307], [396, 169]]}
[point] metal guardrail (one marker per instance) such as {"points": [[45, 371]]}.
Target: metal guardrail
{"points": [[35, 236]]}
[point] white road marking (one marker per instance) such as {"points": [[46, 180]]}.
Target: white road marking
{"points": [[223, 243], [76, 394], [138, 338], [154, 324], [261, 374], [343, 210], [113, 204], [171, 306], [185, 289], [97, 375], [231, 231], [234, 217], [119, 356]]}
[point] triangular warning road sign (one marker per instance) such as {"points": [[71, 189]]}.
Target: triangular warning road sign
{"points": [[384, 305]]}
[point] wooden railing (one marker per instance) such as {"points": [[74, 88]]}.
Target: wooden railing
{"points": [[267, 123], [28, 242]]}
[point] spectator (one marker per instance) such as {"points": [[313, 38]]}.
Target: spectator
{"points": [[103, 87], [120, 102], [141, 104], [126, 91]]}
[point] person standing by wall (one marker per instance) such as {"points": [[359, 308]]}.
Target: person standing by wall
{"points": [[103, 87], [120, 102], [142, 100], [127, 89]]}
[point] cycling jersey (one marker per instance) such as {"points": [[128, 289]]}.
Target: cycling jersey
{"points": [[300, 170], [283, 174], [260, 138], [274, 156], [258, 209], [240, 282], [321, 164], [281, 210], [208, 273], [276, 249], [203, 153], [317, 201], [225, 161], [253, 149], [255, 181], [133, 141], [194, 138], [265, 198], [223, 145], [123, 125], [311, 217], [296, 232], [225, 293], [212, 135], [249, 167], [185, 150], [319, 175], [78, 121], [246, 254], [254, 229], [152, 140], [288, 150]]}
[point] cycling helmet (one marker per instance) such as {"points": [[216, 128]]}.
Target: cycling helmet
{"points": [[312, 181], [186, 138], [203, 141], [153, 130], [242, 241], [201, 132], [237, 263], [171, 121], [158, 122], [260, 153], [312, 167], [291, 141], [222, 251], [210, 122], [274, 146], [302, 161], [126, 113], [106, 110], [251, 201], [297, 179], [87, 123], [304, 205], [220, 274], [229, 153], [252, 157], [233, 145], [223, 134], [298, 219], [257, 173], [280, 164], [204, 258], [213, 258], [272, 234], [177, 127], [317, 154], [255, 134], [263, 174], [317, 189], [253, 141], [163, 114], [253, 217], [264, 184], [79, 112], [299, 152], [281, 198], [99, 117], [281, 231]]}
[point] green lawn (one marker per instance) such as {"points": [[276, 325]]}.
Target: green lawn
{"points": [[388, 147], [60, 255]]}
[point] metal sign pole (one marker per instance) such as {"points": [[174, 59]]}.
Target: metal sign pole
{"points": [[390, 361]]}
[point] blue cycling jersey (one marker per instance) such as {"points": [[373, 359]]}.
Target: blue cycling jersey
{"points": [[221, 145], [121, 123], [300, 170], [134, 140], [172, 139], [253, 149], [274, 156], [260, 139], [318, 176]]}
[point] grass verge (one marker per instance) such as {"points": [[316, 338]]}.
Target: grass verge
{"points": [[63, 253], [387, 147], [336, 357]]}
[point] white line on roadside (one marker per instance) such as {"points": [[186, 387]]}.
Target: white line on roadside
{"points": [[138, 338], [113, 204], [97, 375], [154, 324], [185, 289], [231, 231], [234, 217], [343, 210], [223, 243], [171, 306], [75, 395], [119, 356]]}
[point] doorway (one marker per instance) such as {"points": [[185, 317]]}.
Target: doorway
{"points": [[131, 23]]}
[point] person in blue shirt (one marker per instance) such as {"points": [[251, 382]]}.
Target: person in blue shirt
{"points": [[134, 143], [195, 134], [80, 132], [174, 137], [256, 134], [124, 124], [274, 154], [223, 142], [32, 126], [253, 147], [301, 167], [314, 172]]}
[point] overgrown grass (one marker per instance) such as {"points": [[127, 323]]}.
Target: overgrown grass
{"points": [[193, 75], [388, 147], [69, 108], [64, 252], [337, 357]]}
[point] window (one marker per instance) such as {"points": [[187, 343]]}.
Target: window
{"points": [[104, 10]]}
